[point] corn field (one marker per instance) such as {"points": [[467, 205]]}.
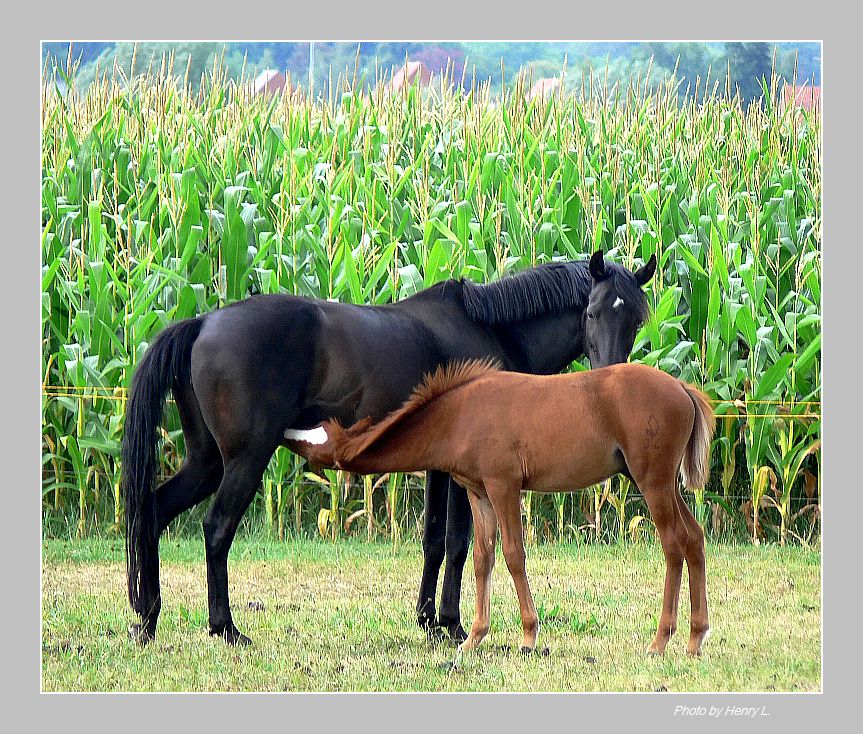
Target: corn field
{"points": [[159, 203]]}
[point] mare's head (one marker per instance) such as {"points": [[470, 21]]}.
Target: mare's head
{"points": [[615, 310]]}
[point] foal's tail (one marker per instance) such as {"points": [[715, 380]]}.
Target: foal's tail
{"points": [[696, 459], [166, 363]]}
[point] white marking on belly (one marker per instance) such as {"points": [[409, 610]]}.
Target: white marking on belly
{"points": [[618, 302], [314, 436]]}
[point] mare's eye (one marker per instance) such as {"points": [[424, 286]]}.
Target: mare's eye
{"points": [[591, 315]]}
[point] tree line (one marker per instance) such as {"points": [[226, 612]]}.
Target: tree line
{"points": [[741, 65]]}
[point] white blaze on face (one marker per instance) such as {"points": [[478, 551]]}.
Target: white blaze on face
{"points": [[618, 302], [315, 436]]}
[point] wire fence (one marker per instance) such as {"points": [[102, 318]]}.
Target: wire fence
{"points": [[307, 495], [419, 484], [121, 394]]}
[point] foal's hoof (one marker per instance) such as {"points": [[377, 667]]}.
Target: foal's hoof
{"points": [[140, 634], [694, 647], [448, 666], [232, 636]]}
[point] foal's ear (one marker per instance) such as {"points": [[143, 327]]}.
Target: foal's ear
{"points": [[646, 271], [597, 265]]}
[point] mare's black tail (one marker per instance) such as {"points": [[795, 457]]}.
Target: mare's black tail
{"points": [[165, 363]]}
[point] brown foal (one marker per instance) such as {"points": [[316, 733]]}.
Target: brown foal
{"points": [[499, 433]]}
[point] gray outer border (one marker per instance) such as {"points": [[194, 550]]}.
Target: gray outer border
{"points": [[441, 20]]}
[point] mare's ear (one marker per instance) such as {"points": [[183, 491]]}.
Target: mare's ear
{"points": [[646, 271], [597, 265]]}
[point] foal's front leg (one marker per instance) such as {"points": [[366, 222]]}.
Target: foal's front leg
{"points": [[485, 537], [506, 499]]}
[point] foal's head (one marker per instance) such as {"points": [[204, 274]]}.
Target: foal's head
{"points": [[615, 310]]}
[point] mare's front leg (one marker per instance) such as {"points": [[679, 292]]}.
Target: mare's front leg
{"points": [[458, 524], [434, 533], [483, 564]]}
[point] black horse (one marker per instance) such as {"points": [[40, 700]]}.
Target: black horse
{"points": [[246, 374]]}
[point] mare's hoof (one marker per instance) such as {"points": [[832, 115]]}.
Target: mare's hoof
{"points": [[232, 636], [140, 634], [525, 650], [242, 640], [436, 634], [441, 633], [456, 633]]}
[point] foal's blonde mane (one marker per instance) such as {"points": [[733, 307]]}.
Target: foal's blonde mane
{"points": [[348, 443]]}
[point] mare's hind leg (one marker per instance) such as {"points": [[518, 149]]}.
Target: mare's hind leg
{"points": [[202, 469], [485, 537], [197, 479], [241, 479], [674, 536], [458, 524], [193, 483], [434, 531], [695, 563]]}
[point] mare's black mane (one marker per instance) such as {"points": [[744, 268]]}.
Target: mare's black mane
{"points": [[544, 290]]}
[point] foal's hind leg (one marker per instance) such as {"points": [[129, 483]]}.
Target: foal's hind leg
{"points": [[674, 536], [695, 562]]}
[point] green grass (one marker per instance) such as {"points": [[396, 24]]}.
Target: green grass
{"points": [[340, 617]]}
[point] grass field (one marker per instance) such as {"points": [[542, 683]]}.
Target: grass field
{"points": [[339, 617]]}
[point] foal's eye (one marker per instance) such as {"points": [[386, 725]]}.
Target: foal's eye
{"points": [[591, 315]]}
